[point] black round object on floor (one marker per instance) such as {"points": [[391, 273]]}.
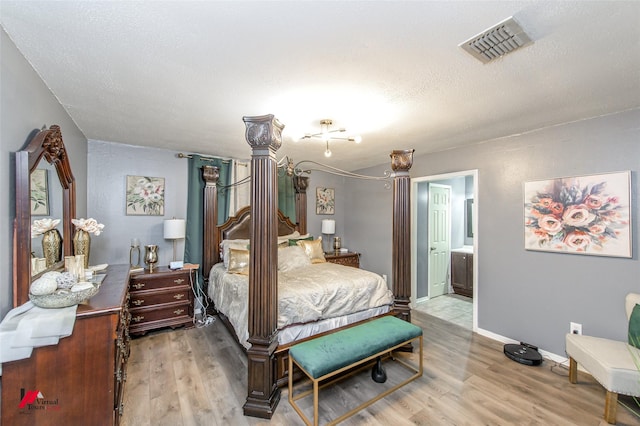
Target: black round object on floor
{"points": [[523, 354]]}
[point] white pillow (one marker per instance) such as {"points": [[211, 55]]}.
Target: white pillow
{"points": [[225, 245], [292, 257]]}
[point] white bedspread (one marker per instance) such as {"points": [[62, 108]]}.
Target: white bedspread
{"points": [[306, 295]]}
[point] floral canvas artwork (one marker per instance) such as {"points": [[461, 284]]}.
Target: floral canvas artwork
{"points": [[145, 195], [39, 193], [581, 215], [325, 201]]}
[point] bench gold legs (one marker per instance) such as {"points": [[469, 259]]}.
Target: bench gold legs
{"points": [[317, 387], [611, 399]]}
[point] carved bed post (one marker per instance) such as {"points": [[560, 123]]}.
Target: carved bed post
{"points": [[401, 162], [210, 250], [300, 183], [263, 133]]}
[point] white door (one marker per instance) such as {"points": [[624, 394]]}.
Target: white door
{"points": [[439, 244]]}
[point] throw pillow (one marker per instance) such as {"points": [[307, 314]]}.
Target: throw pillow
{"points": [[238, 261], [313, 250], [634, 327], [294, 241]]}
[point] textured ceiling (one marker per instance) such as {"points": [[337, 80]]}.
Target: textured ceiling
{"points": [[181, 75]]}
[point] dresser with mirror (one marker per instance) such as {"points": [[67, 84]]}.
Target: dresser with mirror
{"points": [[81, 379]]}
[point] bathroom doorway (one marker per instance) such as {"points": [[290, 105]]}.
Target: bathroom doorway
{"points": [[457, 302]]}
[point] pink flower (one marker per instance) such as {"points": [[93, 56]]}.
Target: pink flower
{"points": [[578, 216], [598, 228], [550, 224], [594, 202], [577, 240], [556, 208]]}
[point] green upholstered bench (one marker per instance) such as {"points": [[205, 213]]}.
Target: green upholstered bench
{"points": [[324, 357]]}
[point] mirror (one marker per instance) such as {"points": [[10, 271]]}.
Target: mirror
{"points": [[468, 204], [61, 186], [46, 202]]}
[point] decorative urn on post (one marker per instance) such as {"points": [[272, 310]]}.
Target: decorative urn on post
{"points": [[82, 237]]}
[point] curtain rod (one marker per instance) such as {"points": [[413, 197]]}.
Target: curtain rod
{"points": [[181, 155]]}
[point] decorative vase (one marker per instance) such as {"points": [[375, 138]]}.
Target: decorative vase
{"points": [[82, 245], [52, 246], [151, 256]]}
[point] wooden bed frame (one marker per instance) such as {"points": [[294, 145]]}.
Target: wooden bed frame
{"points": [[267, 362]]}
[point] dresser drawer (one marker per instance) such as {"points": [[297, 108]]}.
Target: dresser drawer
{"points": [[153, 281], [154, 317], [140, 299]]}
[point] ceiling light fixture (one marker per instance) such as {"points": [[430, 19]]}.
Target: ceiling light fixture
{"points": [[327, 134]]}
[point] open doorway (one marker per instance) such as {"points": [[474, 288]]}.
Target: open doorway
{"points": [[444, 255]]}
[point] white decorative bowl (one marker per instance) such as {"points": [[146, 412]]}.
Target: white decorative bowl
{"points": [[63, 298]]}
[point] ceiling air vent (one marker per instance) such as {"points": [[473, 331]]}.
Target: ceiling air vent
{"points": [[497, 41]]}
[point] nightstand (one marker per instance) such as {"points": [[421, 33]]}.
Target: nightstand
{"points": [[162, 298], [346, 259]]}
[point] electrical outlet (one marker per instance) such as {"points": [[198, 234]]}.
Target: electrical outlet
{"points": [[575, 328]]}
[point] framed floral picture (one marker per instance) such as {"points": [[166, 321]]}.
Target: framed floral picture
{"points": [[145, 196], [39, 193], [581, 215], [325, 201]]}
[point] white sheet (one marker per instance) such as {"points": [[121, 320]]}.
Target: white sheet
{"points": [[28, 326], [307, 295]]}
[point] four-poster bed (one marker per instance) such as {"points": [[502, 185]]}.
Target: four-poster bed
{"points": [[262, 223]]}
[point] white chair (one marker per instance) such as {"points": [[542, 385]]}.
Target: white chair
{"points": [[615, 365]]}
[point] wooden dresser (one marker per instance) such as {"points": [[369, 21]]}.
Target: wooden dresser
{"points": [[81, 379], [162, 298], [346, 259]]}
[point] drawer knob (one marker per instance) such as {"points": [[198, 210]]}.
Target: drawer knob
{"points": [[138, 302], [138, 286], [178, 296], [138, 318], [178, 281], [178, 311]]}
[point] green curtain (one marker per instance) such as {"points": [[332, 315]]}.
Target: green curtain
{"points": [[287, 196], [195, 205]]}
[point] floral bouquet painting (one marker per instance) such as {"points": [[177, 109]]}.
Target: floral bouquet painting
{"points": [[145, 195], [325, 201], [582, 215]]}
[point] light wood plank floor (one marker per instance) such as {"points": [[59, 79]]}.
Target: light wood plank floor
{"points": [[198, 377]]}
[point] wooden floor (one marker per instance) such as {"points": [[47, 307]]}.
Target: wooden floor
{"points": [[198, 377]]}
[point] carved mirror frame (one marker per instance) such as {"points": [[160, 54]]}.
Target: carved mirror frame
{"points": [[47, 143]]}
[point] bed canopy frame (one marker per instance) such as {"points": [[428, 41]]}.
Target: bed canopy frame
{"points": [[264, 135]]}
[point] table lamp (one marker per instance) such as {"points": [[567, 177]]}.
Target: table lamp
{"points": [[174, 229], [328, 228]]}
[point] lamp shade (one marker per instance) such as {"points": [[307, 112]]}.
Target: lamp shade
{"points": [[174, 229], [328, 226]]}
